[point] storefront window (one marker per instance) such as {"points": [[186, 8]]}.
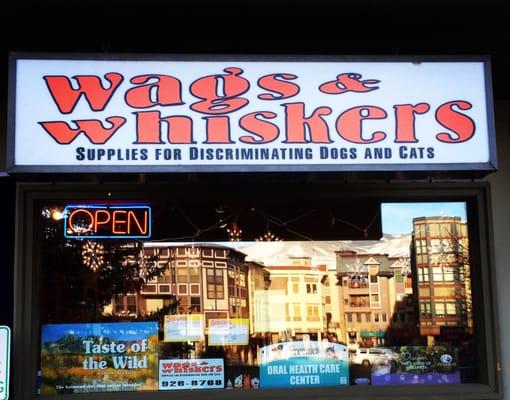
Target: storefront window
{"points": [[160, 314]]}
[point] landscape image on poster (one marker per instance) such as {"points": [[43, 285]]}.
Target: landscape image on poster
{"points": [[109, 357]]}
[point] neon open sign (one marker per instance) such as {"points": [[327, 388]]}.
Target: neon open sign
{"points": [[107, 221]]}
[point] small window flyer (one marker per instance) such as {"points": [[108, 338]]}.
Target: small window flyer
{"points": [[206, 373], [184, 328], [225, 332]]}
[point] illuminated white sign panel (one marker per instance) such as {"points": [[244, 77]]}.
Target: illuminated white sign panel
{"points": [[235, 114]]}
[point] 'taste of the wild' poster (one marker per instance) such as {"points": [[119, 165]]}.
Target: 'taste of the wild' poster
{"points": [[83, 358]]}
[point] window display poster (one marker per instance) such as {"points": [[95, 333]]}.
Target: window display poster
{"points": [[303, 364], [436, 365], [183, 328], [224, 332], [96, 357], [207, 373]]}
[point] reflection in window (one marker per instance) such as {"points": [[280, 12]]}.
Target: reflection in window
{"points": [[297, 312], [437, 274], [425, 309], [311, 288], [410, 290], [215, 288], [423, 274], [312, 312]]}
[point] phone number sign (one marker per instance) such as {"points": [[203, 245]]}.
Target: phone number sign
{"points": [[207, 373]]}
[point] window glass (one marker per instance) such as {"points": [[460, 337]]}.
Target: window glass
{"points": [[168, 313], [451, 308], [440, 309], [437, 274]]}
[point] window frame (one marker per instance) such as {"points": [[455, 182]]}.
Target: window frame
{"points": [[26, 329]]}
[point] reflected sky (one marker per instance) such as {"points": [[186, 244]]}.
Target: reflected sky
{"points": [[397, 218]]}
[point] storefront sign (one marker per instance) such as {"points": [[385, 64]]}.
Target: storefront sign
{"points": [[224, 332], [106, 221], [191, 115], [303, 364], [184, 328], [83, 358], [5, 356], [206, 373]]}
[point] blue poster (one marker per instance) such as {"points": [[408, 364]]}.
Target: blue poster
{"points": [[303, 364]]}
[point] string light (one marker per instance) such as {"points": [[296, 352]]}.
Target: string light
{"points": [[405, 266], [357, 272], [53, 213], [57, 214], [92, 255], [268, 237], [440, 254], [361, 229], [46, 213], [234, 233]]}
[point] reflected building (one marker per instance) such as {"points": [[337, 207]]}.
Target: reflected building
{"points": [[211, 280], [442, 280], [294, 307], [403, 328], [374, 298]]}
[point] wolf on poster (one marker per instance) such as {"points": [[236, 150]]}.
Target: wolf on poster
{"points": [[83, 358]]}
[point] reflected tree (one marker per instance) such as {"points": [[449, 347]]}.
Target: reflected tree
{"points": [[123, 269]]}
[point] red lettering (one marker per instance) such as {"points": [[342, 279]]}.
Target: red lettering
{"points": [[219, 93], [349, 82], [218, 130], [266, 131], [404, 120], [179, 129], [117, 220], [73, 215], [460, 124], [90, 86], [277, 83], [97, 218], [93, 129], [131, 217], [349, 127], [296, 124], [165, 91]]}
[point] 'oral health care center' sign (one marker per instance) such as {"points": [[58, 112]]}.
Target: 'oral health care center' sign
{"points": [[239, 114]]}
